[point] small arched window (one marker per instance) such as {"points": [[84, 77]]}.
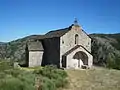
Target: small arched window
{"points": [[76, 39], [62, 41]]}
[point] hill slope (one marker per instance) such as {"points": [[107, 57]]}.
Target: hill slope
{"points": [[15, 50], [105, 47]]}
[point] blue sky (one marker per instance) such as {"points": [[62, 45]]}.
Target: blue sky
{"points": [[20, 18]]}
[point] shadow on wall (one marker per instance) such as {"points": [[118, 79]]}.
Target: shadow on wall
{"points": [[51, 52], [64, 61], [26, 63]]}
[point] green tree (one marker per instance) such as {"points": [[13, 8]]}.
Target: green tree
{"points": [[110, 61]]}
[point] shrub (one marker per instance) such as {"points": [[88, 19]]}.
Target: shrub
{"points": [[117, 62], [47, 84], [11, 84], [51, 72], [52, 75], [5, 65], [50, 78], [15, 79], [113, 62]]}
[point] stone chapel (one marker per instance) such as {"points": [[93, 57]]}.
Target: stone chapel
{"points": [[66, 48]]}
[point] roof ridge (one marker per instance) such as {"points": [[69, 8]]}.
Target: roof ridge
{"points": [[61, 29], [58, 33]]}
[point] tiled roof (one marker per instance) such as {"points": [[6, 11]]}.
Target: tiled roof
{"points": [[35, 46], [58, 33]]}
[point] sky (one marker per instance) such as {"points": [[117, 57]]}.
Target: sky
{"points": [[20, 18]]}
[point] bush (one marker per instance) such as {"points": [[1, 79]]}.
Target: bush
{"points": [[47, 84], [52, 75], [11, 84], [49, 78], [5, 65], [113, 62], [110, 61], [15, 79], [51, 72], [117, 62]]}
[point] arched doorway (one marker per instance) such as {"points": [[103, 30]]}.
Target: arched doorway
{"points": [[81, 57]]}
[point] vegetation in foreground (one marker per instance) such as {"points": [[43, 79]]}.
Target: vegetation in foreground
{"points": [[45, 78], [94, 79], [51, 78]]}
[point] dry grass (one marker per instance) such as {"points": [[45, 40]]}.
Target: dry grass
{"points": [[94, 79], [30, 68]]}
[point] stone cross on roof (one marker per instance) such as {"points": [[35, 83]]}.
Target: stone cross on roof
{"points": [[75, 21]]}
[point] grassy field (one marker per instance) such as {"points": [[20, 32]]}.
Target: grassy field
{"points": [[37, 78], [94, 79]]}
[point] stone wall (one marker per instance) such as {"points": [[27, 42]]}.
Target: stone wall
{"points": [[35, 58], [51, 51], [67, 41]]}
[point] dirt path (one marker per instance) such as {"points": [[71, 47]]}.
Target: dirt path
{"points": [[96, 79]]}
